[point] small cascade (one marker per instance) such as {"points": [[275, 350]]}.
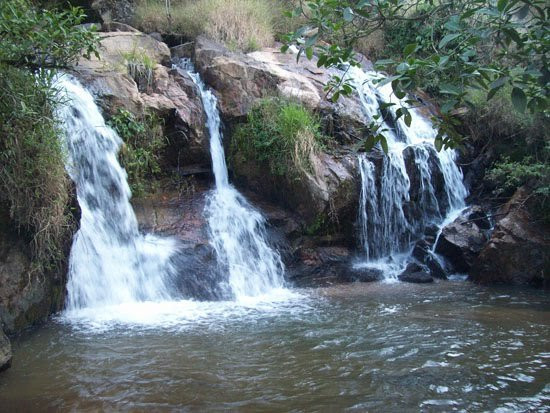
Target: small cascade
{"points": [[411, 188], [237, 230], [111, 262]]}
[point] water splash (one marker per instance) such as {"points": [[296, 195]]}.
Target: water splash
{"points": [[390, 220], [237, 230], [110, 262]]}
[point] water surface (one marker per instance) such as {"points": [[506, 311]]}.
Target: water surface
{"points": [[451, 346]]}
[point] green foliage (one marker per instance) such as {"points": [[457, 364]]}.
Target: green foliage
{"points": [[33, 182], [143, 143], [461, 45], [40, 39], [280, 133]]}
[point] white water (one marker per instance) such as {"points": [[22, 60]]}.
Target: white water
{"points": [[119, 276], [237, 230], [388, 232], [111, 262]]}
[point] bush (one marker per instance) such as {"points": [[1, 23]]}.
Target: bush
{"points": [[283, 134], [240, 24], [33, 182], [143, 143]]}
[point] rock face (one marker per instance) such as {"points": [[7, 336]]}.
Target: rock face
{"points": [[329, 191], [164, 91], [461, 241], [26, 296], [5, 351], [518, 251]]}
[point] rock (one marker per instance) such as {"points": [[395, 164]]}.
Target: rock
{"points": [[518, 251], [27, 297], [435, 268], [171, 95], [461, 241], [319, 266], [415, 277], [114, 10], [5, 351], [362, 274], [117, 27], [239, 80], [156, 36], [185, 50]]}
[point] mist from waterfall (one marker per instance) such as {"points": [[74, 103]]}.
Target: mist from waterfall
{"points": [[389, 220]]}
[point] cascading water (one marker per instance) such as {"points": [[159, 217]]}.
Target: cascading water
{"points": [[111, 262], [390, 220], [237, 230]]}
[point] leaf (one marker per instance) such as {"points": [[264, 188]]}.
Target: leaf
{"points": [[499, 82], [348, 14], [501, 5], [448, 38], [448, 89], [369, 143], [284, 48], [408, 118], [309, 52], [519, 99], [438, 143], [383, 143], [409, 49], [384, 62]]}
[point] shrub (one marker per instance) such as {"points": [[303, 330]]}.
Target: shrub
{"points": [[240, 24], [143, 143], [33, 182], [280, 133]]}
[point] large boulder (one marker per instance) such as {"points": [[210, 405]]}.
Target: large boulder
{"points": [[518, 251], [461, 241], [240, 79], [168, 92], [5, 351]]}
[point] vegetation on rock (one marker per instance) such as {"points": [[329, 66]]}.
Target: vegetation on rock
{"points": [[144, 141], [280, 133]]}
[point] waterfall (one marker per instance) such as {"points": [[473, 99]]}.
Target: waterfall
{"points": [[406, 191], [237, 230], [110, 262]]}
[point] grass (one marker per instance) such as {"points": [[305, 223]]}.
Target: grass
{"points": [[140, 67], [280, 133], [33, 182], [144, 142], [244, 25]]}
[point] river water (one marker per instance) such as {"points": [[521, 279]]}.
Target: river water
{"points": [[450, 346]]}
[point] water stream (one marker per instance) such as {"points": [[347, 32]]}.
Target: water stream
{"points": [[390, 220], [237, 230], [449, 346]]}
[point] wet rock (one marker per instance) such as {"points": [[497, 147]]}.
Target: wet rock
{"points": [[435, 268], [518, 251], [418, 277], [184, 50], [321, 266], [461, 241], [5, 351], [362, 274]]}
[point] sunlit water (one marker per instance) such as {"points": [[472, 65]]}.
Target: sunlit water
{"points": [[451, 346]]}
